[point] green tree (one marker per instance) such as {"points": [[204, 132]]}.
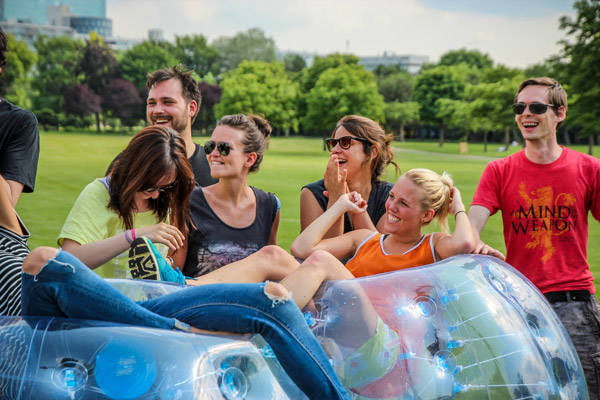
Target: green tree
{"points": [[440, 82], [309, 76], [499, 72], [260, 88], [396, 86], [468, 74], [211, 96], [143, 58], [252, 45], [194, 53], [472, 58], [98, 67], [455, 114], [582, 48], [294, 63], [381, 71], [123, 99], [553, 67], [55, 71], [347, 89], [491, 107], [81, 102], [398, 114], [15, 84]]}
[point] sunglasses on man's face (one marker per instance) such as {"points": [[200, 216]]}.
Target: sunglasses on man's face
{"points": [[534, 108], [345, 142], [160, 189], [223, 147]]}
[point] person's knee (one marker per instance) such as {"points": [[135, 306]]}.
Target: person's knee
{"points": [[326, 264], [274, 253], [319, 259], [37, 259], [279, 262], [276, 291]]}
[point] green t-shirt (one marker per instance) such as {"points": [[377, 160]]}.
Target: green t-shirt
{"points": [[90, 220]]}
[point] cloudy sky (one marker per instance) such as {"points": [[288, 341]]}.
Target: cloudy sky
{"points": [[513, 32]]}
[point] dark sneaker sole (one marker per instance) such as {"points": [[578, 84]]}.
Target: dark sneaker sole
{"points": [[142, 264]]}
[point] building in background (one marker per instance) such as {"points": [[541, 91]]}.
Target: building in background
{"points": [[26, 19], [36, 11], [411, 63]]}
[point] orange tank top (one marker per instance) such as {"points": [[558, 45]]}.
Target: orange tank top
{"points": [[370, 257]]}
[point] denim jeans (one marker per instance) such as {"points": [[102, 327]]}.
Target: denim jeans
{"points": [[582, 321], [67, 288]]}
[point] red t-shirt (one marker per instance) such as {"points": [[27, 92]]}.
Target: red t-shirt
{"points": [[545, 215]]}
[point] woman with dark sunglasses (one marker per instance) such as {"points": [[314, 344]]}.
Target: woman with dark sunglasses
{"points": [[230, 219], [145, 194], [360, 152]]}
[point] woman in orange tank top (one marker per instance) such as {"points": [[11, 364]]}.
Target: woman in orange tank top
{"points": [[418, 197]]}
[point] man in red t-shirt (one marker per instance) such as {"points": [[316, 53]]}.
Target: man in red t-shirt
{"points": [[545, 192]]}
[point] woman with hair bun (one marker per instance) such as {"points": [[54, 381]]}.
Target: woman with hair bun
{"points": [[360, 152], [230, 219]]}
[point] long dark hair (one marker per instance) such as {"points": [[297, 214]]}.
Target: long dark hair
{"points": [[152, 153]]}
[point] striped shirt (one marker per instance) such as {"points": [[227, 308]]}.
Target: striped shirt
{"points": [[13, 250]]}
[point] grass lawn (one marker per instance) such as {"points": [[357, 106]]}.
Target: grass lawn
{"points": [[68, 162]]}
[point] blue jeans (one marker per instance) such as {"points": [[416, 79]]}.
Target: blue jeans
{"points": [[65, 287]]}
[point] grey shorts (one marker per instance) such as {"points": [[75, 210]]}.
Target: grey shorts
{"points": [[582, 321]]}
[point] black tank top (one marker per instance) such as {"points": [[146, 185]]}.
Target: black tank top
{"points": [[213, 244], [376, 207]]}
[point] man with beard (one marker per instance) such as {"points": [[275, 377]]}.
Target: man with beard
{"points": [[174, 101]]}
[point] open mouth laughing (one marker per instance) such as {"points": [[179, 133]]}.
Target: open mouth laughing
{"points": [[161, 119]]}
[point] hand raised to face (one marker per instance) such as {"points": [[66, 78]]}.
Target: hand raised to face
{"points": [[335, 180]]}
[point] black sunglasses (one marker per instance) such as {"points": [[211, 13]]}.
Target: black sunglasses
{"points": [[223, 147], [534, 108], [345, 142], [166, 188]]}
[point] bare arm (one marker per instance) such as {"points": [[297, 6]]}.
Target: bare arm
{"points": [[311, 238], [97, 253], [363, 221], [14, 190], [310, 210], [275, 228], [179, 256], [464, 238], [478, 215], [8, 217]]}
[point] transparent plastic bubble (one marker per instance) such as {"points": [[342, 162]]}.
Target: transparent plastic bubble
{"points": [[457, 327], [70, 376], [233, 384]]}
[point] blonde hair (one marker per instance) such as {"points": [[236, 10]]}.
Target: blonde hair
{"points": [[436, 193]]}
